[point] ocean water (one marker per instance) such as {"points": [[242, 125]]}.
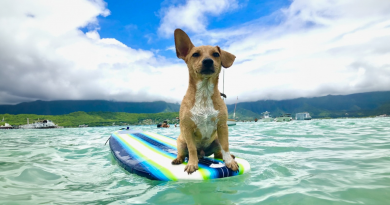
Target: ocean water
{"points": [[336, 161]]}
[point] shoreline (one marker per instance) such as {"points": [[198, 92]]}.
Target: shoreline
{"points": [[137, 124]]}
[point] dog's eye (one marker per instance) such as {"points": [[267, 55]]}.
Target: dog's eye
{"points": [[195, 55], [216, 54]]}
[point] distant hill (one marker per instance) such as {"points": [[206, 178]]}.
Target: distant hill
{"points": [[355, 105], [331, 106], [62, 107]]}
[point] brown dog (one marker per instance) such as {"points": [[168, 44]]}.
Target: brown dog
{"points": [[203, 114]]}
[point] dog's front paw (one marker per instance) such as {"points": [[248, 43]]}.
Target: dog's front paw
{"points": [[191, 168], [232, 165], [177, 161]]}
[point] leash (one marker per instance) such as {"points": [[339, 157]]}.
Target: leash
{"points": [[107, 140], [110, 135]]}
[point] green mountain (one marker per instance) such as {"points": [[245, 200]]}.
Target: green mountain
{"points": [[331, 106], [62, 107]]}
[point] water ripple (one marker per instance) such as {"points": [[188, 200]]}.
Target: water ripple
{"points": [[338, 161]]}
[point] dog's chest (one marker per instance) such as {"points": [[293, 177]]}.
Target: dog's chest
{"points": [[204, 115]]}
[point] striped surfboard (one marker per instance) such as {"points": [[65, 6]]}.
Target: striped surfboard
{"points": [[150, 155]]}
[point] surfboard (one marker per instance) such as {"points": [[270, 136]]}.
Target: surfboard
{"points": [[150, 155]]}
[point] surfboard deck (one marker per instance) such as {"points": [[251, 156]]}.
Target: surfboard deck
{"points": [[150, 155]]}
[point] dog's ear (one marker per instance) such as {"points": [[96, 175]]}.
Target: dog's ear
{"points": [[183, 44], [227, 58]]}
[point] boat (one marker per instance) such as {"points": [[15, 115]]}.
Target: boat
{"points": [[303, 116], [283, 118], [42, 124], [384, 115], [266, 117], [232, 122], [6, 126]]}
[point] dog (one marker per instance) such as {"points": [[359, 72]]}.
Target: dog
{"points": [[203, 114]]}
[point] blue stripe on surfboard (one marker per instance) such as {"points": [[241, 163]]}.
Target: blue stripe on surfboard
{"points": [[171, 151], [163, 148], [152, 170], [203, 163], [120, 154], [226, 171], [160, 141]]}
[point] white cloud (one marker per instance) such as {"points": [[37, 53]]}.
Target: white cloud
{"points": [[318, 48], [45, 56], [192, 16]]}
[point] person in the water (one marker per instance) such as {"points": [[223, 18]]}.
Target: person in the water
{"points": [[165, 124]]}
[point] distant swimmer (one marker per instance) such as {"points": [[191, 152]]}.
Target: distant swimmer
{"points": [[178, 122], [164, 124]]}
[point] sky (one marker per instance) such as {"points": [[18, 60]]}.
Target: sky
{"points": [[123, 50]]}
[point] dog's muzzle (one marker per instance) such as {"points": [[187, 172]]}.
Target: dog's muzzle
{"points": [[207, 66]]}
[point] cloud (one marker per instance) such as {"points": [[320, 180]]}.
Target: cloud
{"points": [[193, 15], [45, 56], [318, 48], [311, 49]]}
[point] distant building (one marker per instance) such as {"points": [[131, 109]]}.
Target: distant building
{"points": [[303, 116]]}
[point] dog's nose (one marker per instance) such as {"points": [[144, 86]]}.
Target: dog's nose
{"points": [[207, 66], [208, 62]]}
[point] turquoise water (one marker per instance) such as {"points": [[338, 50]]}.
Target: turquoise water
{"points": [[338, 161]]}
